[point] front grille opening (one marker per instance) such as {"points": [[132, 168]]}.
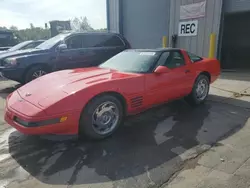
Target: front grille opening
{"points": [[36, 124]]}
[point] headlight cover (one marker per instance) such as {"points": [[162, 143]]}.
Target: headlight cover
{"points": [[10, 62], [40, 123]]}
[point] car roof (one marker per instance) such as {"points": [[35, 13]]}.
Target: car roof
{"points": [[28, 41], [155, 50], [90, 32], [39, 40]]}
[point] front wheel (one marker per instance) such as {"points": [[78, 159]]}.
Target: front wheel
{"points": [[101, 117], [34, 72], [200, 90]]}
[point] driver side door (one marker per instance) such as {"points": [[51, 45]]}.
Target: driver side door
{"points": [[174, 84], [69, 58]]}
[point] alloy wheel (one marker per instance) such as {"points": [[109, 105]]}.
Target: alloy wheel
{"points": [[105, 118]]}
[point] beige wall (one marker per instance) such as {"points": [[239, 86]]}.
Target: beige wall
{"points": [[206, 25]]}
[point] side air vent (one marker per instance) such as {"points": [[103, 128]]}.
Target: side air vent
{"points": [[136, 102]]}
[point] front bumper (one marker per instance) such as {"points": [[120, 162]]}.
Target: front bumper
{"points": [[69, 127], [15, 74]]}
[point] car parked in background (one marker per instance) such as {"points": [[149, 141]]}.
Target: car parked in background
{"points": [[7, 39], [4, 48], [24, 45], [65, 51]]}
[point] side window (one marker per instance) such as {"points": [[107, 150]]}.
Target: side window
{"points": [[74, 42], [174, 60], [90, 41], [112, 41], [31, 45], [162, 59], [37, 43], [99, 40], [28, 46], [194, 58]]}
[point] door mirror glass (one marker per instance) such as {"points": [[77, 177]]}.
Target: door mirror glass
{"points": [[61, 47], [161, 70]]}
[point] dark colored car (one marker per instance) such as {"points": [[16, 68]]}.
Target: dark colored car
{"points": [[64, 51], [4, 48], [7, 39], [24, 45]]}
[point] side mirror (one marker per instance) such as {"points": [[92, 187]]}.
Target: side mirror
{"points": [[161, 70], [61, 47]]}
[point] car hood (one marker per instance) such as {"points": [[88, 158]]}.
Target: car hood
{"points": [[7, 54], [53, 87]]}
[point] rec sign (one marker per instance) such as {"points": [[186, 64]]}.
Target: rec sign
{"points": [[189, 28]]}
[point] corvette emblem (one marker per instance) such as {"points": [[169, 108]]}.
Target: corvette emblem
{"points": [[27, 94]]}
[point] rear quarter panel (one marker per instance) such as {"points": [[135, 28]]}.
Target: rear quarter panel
{"points": [[212, 66], [209, 65]]}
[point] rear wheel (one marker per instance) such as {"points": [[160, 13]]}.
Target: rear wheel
{"points": [[200, 90], [101, 117], [35, 72]]}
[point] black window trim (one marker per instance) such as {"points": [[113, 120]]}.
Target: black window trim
{"points": [[179, 51], [86, 34], [200, 58], [71, 36], [123, 42], [111, 35]]}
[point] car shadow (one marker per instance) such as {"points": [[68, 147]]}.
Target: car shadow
{"points": [[152, 141]]}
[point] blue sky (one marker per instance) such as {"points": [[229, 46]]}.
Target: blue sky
{"points": [[21, 13]]}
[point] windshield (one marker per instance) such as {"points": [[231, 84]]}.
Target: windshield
{"points": [[132, 61], [52, 41], [19, 46]]}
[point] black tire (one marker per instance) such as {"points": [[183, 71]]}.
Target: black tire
{"points": [[192, 98], [86, 129], [29, 74]]}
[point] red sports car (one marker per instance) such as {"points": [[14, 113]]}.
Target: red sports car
{"points": [[93, 101]]}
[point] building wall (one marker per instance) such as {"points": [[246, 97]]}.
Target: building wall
{"points": [[206, 25], [232, 6], [113, 15], [145, 22]]}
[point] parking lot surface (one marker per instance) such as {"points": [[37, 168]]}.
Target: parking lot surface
{"points": [[147, 150]]}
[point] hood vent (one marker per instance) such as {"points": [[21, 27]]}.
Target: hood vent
{"points": [[136, 102]]}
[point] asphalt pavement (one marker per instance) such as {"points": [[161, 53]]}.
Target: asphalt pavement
{"points": [[147, 151]]}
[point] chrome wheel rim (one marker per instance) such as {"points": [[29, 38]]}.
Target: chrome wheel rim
{"points": [[38, 74], [105, 118], [202, 89]]}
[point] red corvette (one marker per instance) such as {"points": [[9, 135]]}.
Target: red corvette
{"points": [[93, 101]]}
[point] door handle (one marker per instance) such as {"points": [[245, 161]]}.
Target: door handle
{"points": [[187, 71]]}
